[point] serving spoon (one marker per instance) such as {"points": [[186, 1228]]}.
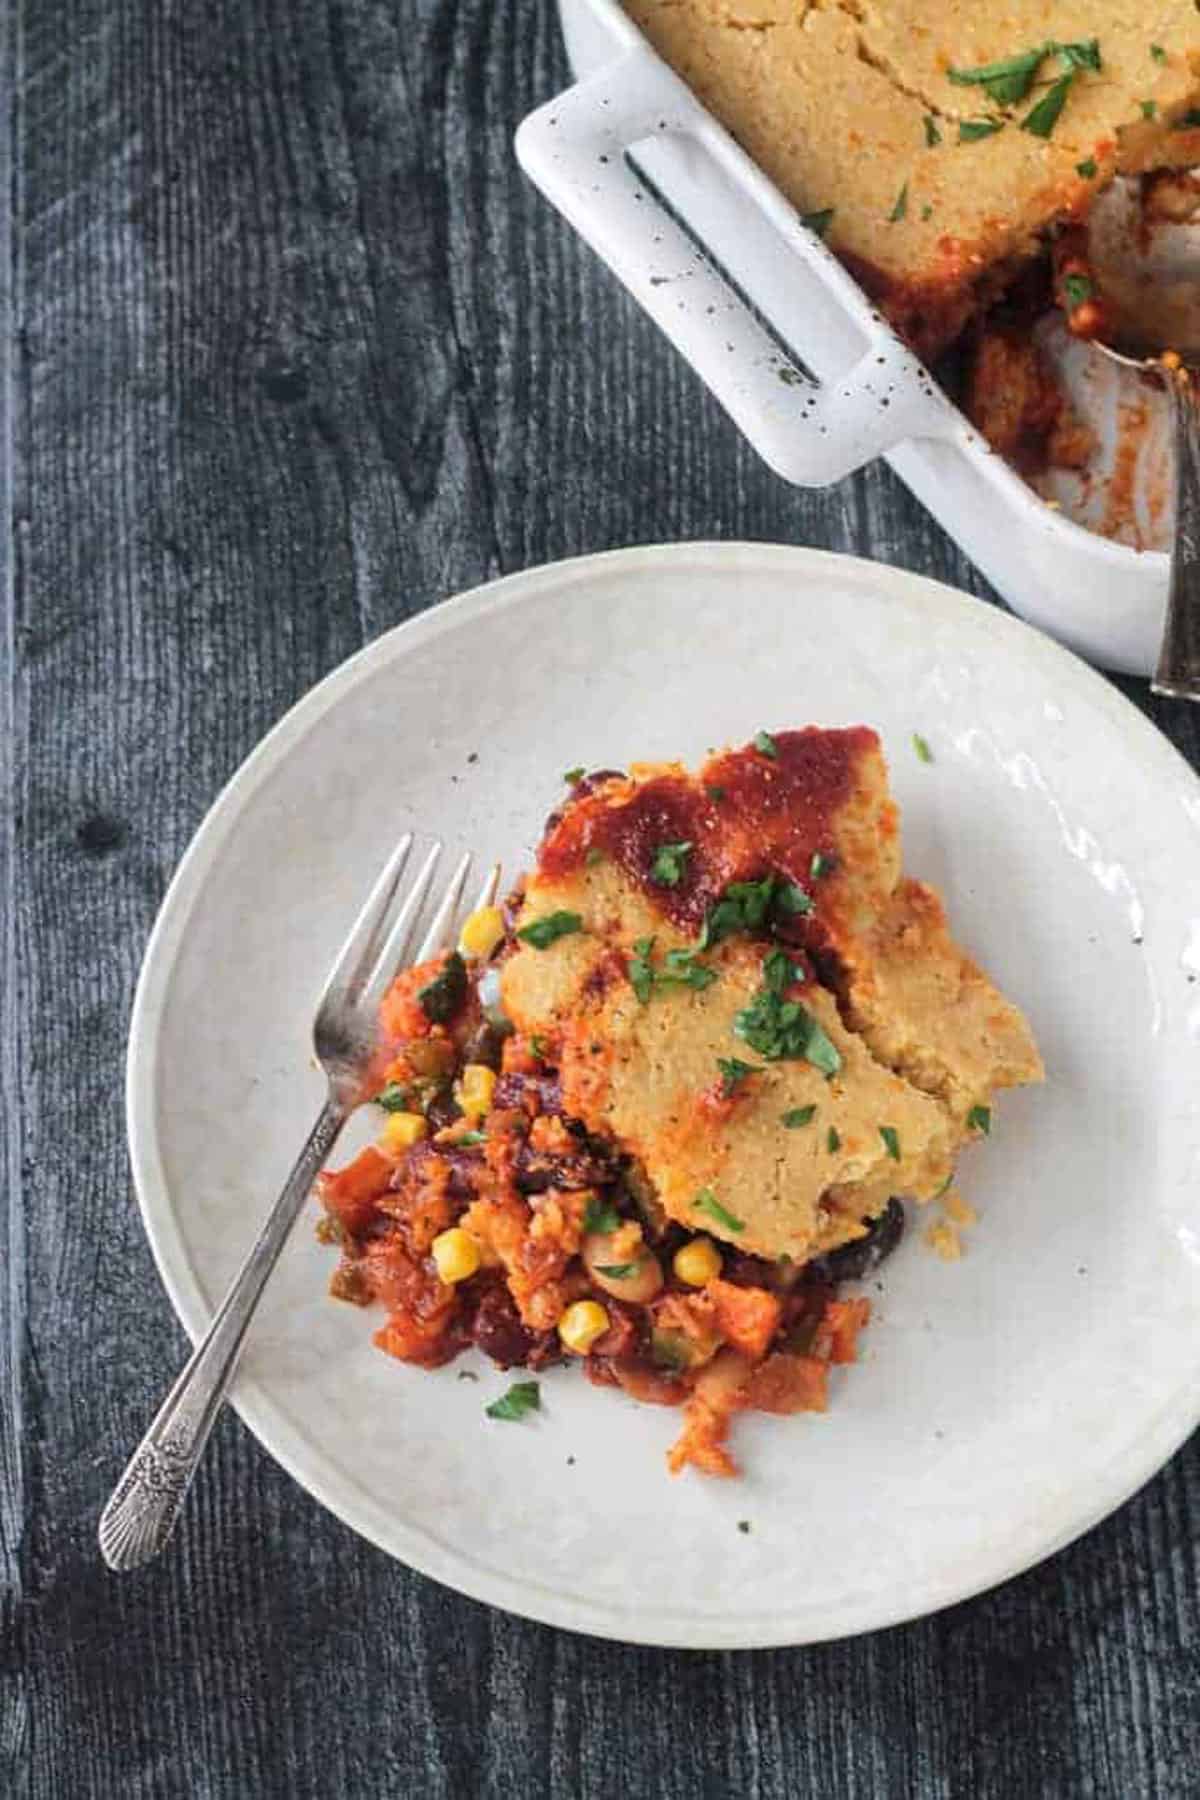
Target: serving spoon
{"points": [[1148, 273]]}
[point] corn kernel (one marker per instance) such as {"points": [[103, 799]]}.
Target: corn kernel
{"points": [[456, 1255], [698, 1262], [481, 932], [583, 1322], [401, 1131], [475, 1089]]}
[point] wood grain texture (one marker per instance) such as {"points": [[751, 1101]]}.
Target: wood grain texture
{"points": [[296, 353]]}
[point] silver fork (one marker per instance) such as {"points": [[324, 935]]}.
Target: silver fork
{"points": [[146, 1502]]}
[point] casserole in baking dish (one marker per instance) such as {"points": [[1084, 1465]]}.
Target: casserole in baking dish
{"points": [[871, 395]]}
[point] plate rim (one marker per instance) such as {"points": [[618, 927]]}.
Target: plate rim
{"points": [[297, 1452]]}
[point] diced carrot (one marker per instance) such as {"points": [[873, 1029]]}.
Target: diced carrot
{"points": [[420, 1341], [747, 1317], [351, 1193], [846, 1319]]}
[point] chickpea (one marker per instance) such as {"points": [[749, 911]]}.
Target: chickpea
{"points": [[643, 1279]]}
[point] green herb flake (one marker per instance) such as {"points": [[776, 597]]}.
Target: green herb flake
{"points": [[442, 997], [833, 1142], [765, 744], [927, 211], [1083, 54], [393, 1098], [522, 1397], [1157, 53], [594, 857], [779, 1029], [678, 968], [600, 1216], [1042, 118], [617, 1271], [715, 794], [1076, 289], [1189, 120], [901, 206], [1087, 168], [891, 1141], [1149, 109], [798, 1116], [543, 932], [744, 1527], [921, 746], [573, 776], [791, 900], [821, 865], [971, 130], [537, 1045], [706, 1202], [733, 1072], [469, 1139], [980, 1119], [670, 860], [933, 136], [818, 221], [779, 971], [1007, 80]]}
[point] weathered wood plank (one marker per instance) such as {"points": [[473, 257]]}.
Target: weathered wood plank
{"points": [[298, 353]]}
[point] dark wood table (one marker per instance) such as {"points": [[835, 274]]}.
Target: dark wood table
{"points": [[295, 351]]}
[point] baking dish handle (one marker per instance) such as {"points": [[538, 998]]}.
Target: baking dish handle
{"points": [[574, 150]]}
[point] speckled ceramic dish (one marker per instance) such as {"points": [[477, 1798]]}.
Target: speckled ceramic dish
{"points": [[1004, 1403]]}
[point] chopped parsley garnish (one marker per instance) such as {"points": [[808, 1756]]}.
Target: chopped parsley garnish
{"points": [[1084, 54], [921, 746], [541, 933], [900, 208], [715, 793], [821, 865], [891, 1141], [818, 221], [678, 968], [617, 1271], [595, 855], [733, 1072], [522, 1397], [971, 130], [600, 1215], [796, 1116], [537, 1045], [927, 211], [833, 1141], [765, 744], [1076, 289], [744, 1526], [779, 971], [1007, 80], [779, 1028], [471, 1138], [706, 1202], [669, 862], [933, 136], [1087, 168], [441, 998], [1042, 118], [393, 1097], [573, 775], [791, 900], [1158, 54], [980, 1119], [1149, 109]]}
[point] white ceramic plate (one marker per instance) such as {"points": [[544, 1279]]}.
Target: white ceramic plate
{"points": [[1005, 1403]]}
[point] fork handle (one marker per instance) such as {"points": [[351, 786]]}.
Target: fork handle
{"points": [[145, 1503], [1178, 671]]}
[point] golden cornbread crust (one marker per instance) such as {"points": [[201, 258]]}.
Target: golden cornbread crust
{"points": [[848, 105], [921, 1036]]}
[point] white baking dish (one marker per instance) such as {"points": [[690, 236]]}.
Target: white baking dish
{"points": [[874, 399]]}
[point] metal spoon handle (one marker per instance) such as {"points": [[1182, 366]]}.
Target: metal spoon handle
{"points": [[141, 1514], [1178, 671]]}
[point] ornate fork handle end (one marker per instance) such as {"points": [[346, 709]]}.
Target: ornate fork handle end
{"points": [[141, 1514]]}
